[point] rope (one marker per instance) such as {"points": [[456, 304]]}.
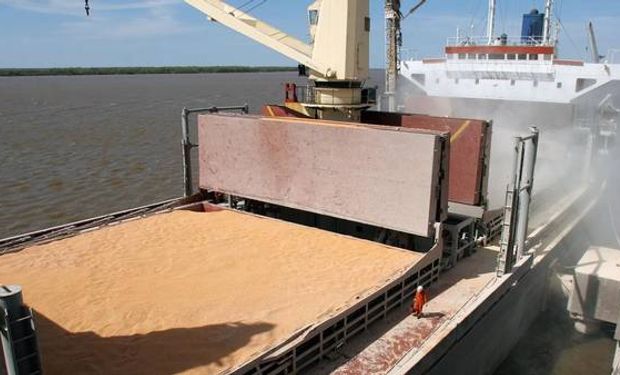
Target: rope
{"points": [[559, 7], [244, 4], [569, 37], [256, 6], [474, 14], [248, 3]]}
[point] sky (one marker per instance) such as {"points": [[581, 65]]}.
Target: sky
{"points": [[57, 33]]}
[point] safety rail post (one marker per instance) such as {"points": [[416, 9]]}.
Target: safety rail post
{"points": [[187, 145], [187, 158]]}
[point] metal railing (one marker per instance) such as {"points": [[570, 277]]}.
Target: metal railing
{"points": [[187, 145], [324, 339], [499, 41], [335, 96]]}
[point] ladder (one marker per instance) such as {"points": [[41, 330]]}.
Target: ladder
{"points": [[506, 248], [21, 348], [517, 206]]}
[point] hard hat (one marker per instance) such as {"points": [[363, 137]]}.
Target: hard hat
{"points": [[420, 288]]}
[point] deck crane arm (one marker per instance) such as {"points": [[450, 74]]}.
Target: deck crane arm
{"points": [[261, 32], [596, 58], [339, 28]]}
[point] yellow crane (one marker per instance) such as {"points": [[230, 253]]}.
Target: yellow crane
{"points": [[336, 56]]}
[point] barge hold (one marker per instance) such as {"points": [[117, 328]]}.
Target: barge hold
{"points": [[204, 290]]}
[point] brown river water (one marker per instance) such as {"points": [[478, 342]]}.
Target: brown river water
{"points": [[81, 146]]}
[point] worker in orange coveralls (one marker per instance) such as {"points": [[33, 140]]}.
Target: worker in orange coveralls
{"points": [[419, 300]]}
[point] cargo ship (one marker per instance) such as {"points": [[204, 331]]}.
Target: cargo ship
{"points": [[302, 243], [516, 79]]}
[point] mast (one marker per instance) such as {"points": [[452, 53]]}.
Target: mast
{"points": [[491, 21], [547, 27], [596, 58], [392, 41]]}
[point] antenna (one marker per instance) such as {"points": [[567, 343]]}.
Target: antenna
{"points": [[547, 27], [491, 21]]}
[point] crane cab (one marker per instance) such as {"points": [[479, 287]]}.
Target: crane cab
{"points": [[313, 18]]}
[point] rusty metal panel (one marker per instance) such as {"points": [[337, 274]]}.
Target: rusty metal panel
{"points": [[383, 176], [469, 150]]}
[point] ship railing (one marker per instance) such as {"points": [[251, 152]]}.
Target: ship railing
{"points": [[187, 145], [305, 94], [325, 340], [499, 41]]}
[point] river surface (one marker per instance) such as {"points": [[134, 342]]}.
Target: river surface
{"points": [[76, 147], [80, 146]]}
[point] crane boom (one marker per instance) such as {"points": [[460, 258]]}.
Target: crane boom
{"points": [[259, 31], [596, 58], [341, 24]]}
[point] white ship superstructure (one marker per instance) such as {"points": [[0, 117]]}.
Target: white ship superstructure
{"points": [[511, 70], [525, 68]]}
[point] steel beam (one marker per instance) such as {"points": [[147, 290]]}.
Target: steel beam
{"points": [[518, 197], [530, 149]]}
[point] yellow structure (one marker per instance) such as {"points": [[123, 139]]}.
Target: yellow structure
{"points": [[336, 57]]}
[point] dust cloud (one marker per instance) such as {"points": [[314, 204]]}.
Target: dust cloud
{"points": [[572, 154], [567, 141]]}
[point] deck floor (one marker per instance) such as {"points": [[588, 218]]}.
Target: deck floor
{"points": [[190, 292], [380, 349]]}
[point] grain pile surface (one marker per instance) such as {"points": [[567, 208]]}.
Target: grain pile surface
{"points": [[188, 292]]}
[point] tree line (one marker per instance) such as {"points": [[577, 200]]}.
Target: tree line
{"points": [[13, 72]]}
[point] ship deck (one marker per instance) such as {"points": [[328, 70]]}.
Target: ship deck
{"points": [[195, 291], [390, 346], [463, 295]]}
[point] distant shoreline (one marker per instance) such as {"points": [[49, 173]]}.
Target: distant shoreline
{"points": [[78, 71]]}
